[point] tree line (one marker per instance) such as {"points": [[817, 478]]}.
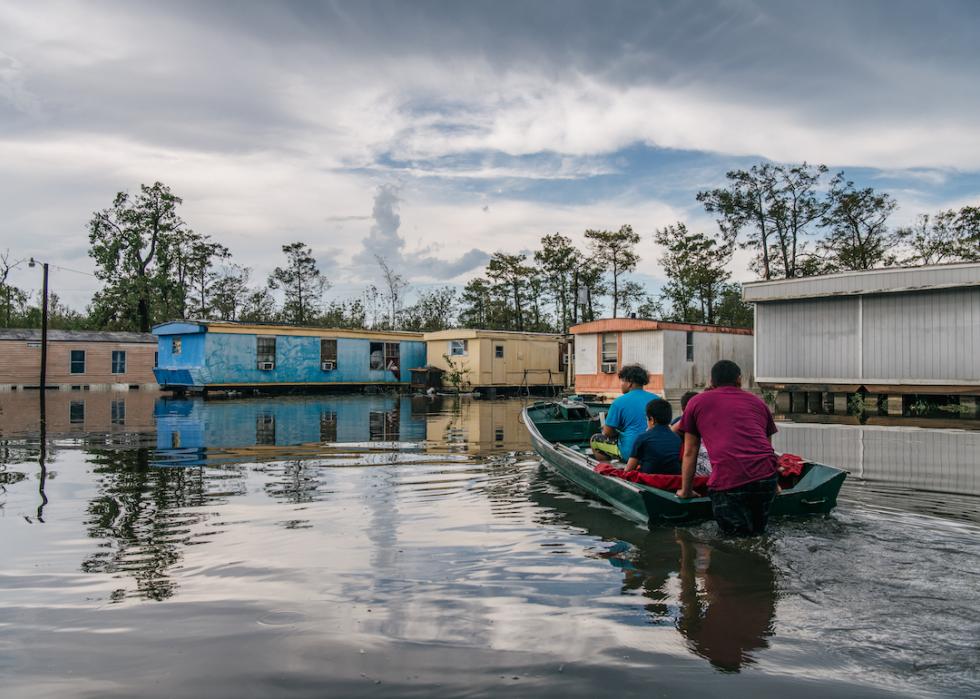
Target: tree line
{"points": [[795, 220]]}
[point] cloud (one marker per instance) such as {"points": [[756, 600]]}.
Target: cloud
{"points": [[384, 241]]}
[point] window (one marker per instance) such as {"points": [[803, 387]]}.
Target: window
{"points": [[498, 351], [383, 426], [458, 348], [386, 356], [175, 440], [76, 412], [76, 359], [265, 352], [498, 434], [156, 359], [610, 346], [175, 345], [328, 355], [265, 429], [328, 426], [118, 361], [117, 412], [562, 356], [690, 346]]}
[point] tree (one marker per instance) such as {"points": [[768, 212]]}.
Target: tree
{"points": [[615, 249], [857, 220], [349, 313], [949, 236], [476, 304], [302, 284], [771, 208], [434, 310], [732, 310], [14, 300], [203, 276], [125, 240], [558, 260], [259, 307], [587, 284], [696, 268], [229, 291], [393, 290], [632, 295], [510, 273]]}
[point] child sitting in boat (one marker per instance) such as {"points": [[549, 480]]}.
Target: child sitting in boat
{"points": [[703, 466], [657, 451]]}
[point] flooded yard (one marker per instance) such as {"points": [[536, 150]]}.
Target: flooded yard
{"points": [[397, 546]]}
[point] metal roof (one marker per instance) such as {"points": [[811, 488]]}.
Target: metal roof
{"points": [[876, 281], [608, 325], [34, 334]]}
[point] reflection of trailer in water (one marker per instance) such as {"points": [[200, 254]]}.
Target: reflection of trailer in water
{"points": [[189, 427]]}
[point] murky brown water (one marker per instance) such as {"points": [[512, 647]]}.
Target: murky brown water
{"points": [[388, 546]]}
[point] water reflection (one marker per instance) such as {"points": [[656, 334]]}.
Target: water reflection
{"points": [[719, 595]]}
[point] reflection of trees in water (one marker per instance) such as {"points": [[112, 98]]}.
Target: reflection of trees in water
{"points": [[141, 513], [727, 601], [298, 481]]}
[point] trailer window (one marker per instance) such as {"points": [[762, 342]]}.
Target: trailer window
{"points": [[175, 346], [377, 357], [77, 362], [265, 352], [118, 361], [498, 351], [610, 345], [690, 346], [458, 348], [328, 352]]}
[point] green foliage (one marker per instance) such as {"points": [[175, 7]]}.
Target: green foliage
{"points": [[696, 266], [858, 235], [948, 236], [616, 251], [349, 313], [434, 310], [512, 275], [457, 375], [558, 261], [127, 241], [856, 404], [229, 291], [302, 284], [732, 310], [770, 209]]}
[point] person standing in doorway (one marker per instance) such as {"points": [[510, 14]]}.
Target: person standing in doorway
{"points": [[737, 430]]}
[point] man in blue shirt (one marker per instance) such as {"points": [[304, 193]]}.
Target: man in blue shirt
{"points": [[658, 450], [627, 416]]}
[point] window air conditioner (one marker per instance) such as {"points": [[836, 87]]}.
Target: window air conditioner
{"points": [[328, 365], [609, 368], [267, 366]]}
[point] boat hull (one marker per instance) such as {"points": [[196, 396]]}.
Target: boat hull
{"points": [[816, 493]]}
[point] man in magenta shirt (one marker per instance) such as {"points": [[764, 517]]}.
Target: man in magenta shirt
{"points": [[737, 430]]}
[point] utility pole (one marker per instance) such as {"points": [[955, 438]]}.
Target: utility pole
{"points": [[44, 334]]}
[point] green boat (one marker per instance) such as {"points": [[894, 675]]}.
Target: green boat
{"points": [[560, 433]]}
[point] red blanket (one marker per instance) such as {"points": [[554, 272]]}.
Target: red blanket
{"points": [[654, 480]]}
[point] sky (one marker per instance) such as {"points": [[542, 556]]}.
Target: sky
{"points": [[436, 133]]}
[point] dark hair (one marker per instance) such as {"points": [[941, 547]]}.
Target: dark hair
{"points": [[686, 398], [635, 374], [659, 411], [725, 373]]}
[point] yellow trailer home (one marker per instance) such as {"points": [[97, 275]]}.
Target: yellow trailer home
{"points": [[501, 359]]}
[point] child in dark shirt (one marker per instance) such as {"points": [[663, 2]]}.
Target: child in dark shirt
{"points": [[658, 449]]}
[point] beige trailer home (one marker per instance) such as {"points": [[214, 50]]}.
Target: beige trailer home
{"points": [[500, 359]]}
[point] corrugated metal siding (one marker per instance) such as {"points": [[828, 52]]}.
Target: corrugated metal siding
{"points": [[930, 335], [585, 354], [874, 281], [812, 339], [681, 375], [646, 348]]}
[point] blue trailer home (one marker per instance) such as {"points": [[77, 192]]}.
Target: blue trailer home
{"points": [[218, 355]]}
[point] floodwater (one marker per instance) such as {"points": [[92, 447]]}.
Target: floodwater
{"points": [[391, 546]]}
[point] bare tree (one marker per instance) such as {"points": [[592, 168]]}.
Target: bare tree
{"points": [[393, 293]]}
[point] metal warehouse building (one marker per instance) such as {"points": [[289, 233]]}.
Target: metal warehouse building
{"points": [[894, 332]]}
